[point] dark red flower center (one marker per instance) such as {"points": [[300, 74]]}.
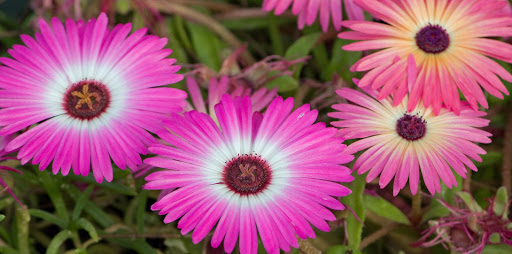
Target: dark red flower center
{"points": [[411, 127], [433, 39], [86, 99], [247, 174]]}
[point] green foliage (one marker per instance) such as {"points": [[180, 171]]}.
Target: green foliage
{"points": [[385, 209]]}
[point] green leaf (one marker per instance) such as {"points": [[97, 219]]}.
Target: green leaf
{"points": [[113, 186], [53, 190], [385, 209], [341, 61], [91, 209], [81, 201], [342, 249], [469, 201], [301, 48], [500, 203], [355, 201], [8, 250], [87, 226], [57, 241], [436, 210], [283, 83], [494, 238], [206, 45], [2, 217], [141, 211], [497, 249], [139, 245], [123, 6], [48, 217]]}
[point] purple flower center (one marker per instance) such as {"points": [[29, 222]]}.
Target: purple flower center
{"points": [[433, 39], [411, 127], [247, 174], [86, 99]]}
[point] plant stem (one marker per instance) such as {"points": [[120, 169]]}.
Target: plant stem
{"points": [[467, 181], [197, 17], [306, 247], [22, 221], [377, 235], [416, 207], [507, 154]]}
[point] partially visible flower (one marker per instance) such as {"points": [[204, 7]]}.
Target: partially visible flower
{"points": [[308, 10], [3, 157], [432, 50], [88, 94], [271, 175], [217, 88], [400, 142], [468, 228]]}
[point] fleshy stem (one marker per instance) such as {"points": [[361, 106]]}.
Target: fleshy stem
{"points": [[194, 16], [306, 247], [507, 154], [378, 234], [416, 207], [22, 221]]}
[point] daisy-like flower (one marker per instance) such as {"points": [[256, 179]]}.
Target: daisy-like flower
{"points": [[274, 174], [91, 93], [400, 143], [308, 10], [216, 88], [433, 49]]}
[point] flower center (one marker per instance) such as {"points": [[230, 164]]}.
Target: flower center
{"points": [[433, 39], [411, 127], [247, 174], [86, 99]]}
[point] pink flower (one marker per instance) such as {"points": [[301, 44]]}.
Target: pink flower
{"points": [[274, 174], [400, 142], [308, 10], [432, 50], [216, 88], [91, 93]]}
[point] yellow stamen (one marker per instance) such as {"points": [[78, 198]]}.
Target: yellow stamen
{"points": [[85, 97]]}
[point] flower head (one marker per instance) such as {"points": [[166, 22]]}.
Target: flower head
{"points": [[432, 50], [308, 10], [91, 93], [274, 174], [402, 142]]}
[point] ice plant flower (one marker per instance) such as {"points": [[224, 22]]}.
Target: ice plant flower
{"points": [[402, 142], [274, 174], [308, 10], [432, 50], [468, 228], [216, 88], [90, 94]]}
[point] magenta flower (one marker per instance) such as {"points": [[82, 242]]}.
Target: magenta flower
{"points": [[432, 50], [399, 143], [91, 93], [308, 10], [216, 88], [274, 174]]}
